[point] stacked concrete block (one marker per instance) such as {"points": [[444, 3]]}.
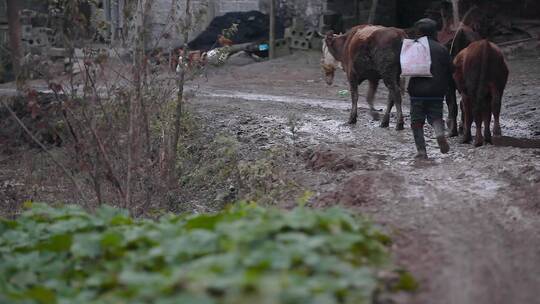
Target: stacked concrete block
{"points": [[37, 38], [300, 36], [282, 47]]}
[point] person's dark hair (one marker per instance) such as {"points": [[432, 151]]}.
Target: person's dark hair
{"points": [[426, 27]]}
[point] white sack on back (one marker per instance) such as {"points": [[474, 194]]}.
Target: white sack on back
{"points": [[416, 58]]}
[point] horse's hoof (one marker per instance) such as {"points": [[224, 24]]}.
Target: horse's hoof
{"points": [[400, 126], [352, 121], [453, 133], [465, 140], [478, 143]]}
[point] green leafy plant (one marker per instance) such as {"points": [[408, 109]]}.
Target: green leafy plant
{"points": [[244, 254]]}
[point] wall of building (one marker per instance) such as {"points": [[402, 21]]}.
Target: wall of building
{"points": [[225, 6], [310, 10], [163, 13], [353, 11]]}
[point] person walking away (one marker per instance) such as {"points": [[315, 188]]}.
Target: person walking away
{"points": [[427, 93]]}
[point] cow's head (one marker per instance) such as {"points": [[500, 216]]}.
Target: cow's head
{"points": [[330, 53]]}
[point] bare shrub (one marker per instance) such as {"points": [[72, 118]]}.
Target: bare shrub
{"points": [[121, 109]]}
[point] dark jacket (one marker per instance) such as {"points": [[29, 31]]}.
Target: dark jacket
{"points": [[441, 69]]}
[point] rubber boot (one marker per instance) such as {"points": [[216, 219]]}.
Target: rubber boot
{"points": [[441, 138], [420, 143]]}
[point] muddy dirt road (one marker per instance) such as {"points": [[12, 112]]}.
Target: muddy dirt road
{"points": [[467, 224]]}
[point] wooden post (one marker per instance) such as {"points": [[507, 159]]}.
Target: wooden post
{"points": [[272, 40], [14, 31], [373, 11]]}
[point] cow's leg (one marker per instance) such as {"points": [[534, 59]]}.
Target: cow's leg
{"points": [[403, 86], [467, 119], [479, 139], [397, 100], [486, 117], [394, 97], [373, 85], [451, 102], [462, 122], [354, 101], [385, 123], [496, 109]]}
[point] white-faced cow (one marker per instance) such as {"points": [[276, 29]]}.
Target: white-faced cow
{"points": [[368, 52]]}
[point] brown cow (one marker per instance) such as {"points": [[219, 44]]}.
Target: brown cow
{"points": [[369, 52], [481, 74], [459, 40]]}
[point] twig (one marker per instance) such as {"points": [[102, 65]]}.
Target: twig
{"points": [[64, 169], [516, 41]]}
